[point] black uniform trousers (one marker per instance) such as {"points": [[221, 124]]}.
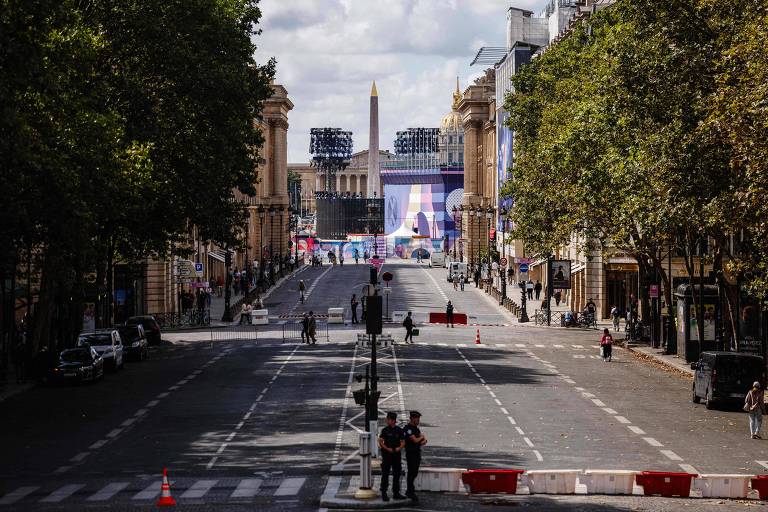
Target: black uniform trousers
{"points": [[413, 461], [390, 462]]}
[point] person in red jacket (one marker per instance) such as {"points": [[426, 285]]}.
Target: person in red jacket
{"points": [[606, 344]]}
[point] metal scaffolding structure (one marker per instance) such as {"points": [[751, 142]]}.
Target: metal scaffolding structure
{"points": [[331, 149]]}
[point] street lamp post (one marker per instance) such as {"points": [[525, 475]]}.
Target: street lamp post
{"points": [[503, 271], [272, 211], [479, 213], [261, 212], [454, 210], [280, 258]]}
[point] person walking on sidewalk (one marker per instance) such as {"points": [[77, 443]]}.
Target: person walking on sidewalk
{"points": [[606, 345], [357, 256], [754, 405], [455, 281], [391, 442], [414, 440], [477, 278], [353, 306], [312, 327], [449, 314], [537, 288], [462, 280], [529, 289], [302, 287], [305, 328], [408, 324], [615, 316]]}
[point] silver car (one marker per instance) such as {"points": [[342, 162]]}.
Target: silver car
{"points": [[107, 343]]}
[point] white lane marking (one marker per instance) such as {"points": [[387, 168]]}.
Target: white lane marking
{"points": [[232, 435], [502, 345], [152, 403], [140, 412], [671, 455], [247, 488], [528, 442], [247, 415], [511, 420], [114, 433], [439, 290], [538, 455], [763, 463], [587, 395], [539, 346], [212, 462], [609, 410], [98, 444], [579, 356], [80, 456], [577, 346], [598, 403], [520, 345], [128, 422], [62, 493], [689, 469], [653, 442], [20, 493], [149, 493], [163, 394], [62, 469], [462, 345], [497, 402], [520, 431], [443, 344], [570, 381], [263, 391], [622, 419], [504, 411], [199, 489], [558, 346], [239, 425], [482, 380], [638, 430], [492, 394], [173, 388], [290, 487], [108, 491], [399, 383]]}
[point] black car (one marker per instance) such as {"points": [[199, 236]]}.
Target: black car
{"points": [[150, 325], [725, 377], [79, 365], [135, 342]]}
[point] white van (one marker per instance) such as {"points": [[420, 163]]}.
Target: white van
{"points": [[437, 259], [457, 268]]}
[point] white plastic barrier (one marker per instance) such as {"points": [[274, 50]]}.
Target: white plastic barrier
{"points": [[385, 340], [723, 486], [440, 480], [335, 315], [607, 481], [558, 481], [260, 317], [398, 316]]}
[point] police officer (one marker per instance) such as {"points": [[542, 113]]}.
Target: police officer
{"points": [[391, 442], [414, 440]]}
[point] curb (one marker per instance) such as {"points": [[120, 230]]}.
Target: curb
{"points": [[354, 504], [659, 362]]}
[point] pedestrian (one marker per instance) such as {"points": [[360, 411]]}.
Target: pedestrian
{"points": [[312, 327], [302, 287], [243, 313], [558, 297], [341, 259], [365, 256], [305, 328], [606, 345], [754, 406], [408, 324], [615, 316], [357, 256], [449, 314], [455, 281], [462, 279], [391, 442], [362, 306], [353, 306], [529, 289], [477, 278], [591, 307], [537, 289], [414, 440]]}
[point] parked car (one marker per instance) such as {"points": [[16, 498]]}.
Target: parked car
{"points": [[150, 325], [78, 365], [725, 377], [135, 343], [108, 344]]}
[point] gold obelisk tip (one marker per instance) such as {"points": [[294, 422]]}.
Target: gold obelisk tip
{"points": [[373, 89]]}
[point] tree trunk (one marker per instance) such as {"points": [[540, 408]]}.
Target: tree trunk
{"points": [[227, 316]]}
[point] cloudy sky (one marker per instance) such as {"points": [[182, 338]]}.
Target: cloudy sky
{"points": [[329, 51]]}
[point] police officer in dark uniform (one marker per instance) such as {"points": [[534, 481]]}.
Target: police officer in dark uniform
{"points": [[391, 442], [414, 440]]}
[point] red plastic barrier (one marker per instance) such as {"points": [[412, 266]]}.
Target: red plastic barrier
{"points": [[665, 483], [491, 481], [760, 484], [440, 318]]}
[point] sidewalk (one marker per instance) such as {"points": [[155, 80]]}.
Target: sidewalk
{"points": [[12, 387], [658, 357]]}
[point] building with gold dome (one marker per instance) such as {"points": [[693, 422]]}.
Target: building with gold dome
{"points": [[451, 135]]}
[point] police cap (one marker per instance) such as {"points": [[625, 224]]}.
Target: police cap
{"points": [[415, 414], [391, 415]]}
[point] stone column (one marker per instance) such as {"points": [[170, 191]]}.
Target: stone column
{"points": [[471, 133], [281, 159]]}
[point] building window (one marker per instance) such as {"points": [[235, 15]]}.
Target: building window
{"points": [[450, 139], [461, 139], [461, 156], [450, 157]]}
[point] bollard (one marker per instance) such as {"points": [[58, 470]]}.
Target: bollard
{"points": [[373, 427], [365, 491]]}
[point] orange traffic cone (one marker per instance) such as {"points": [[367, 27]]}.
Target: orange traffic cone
{"points": [[166, 500], [477, 338]]}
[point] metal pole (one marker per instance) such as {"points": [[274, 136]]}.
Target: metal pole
{"points": [[549, 289]]}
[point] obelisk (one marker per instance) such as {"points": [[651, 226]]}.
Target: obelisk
{"points": [[374, 178]]}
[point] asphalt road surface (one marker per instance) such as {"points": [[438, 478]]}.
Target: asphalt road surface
{"points": [[247, 420]]}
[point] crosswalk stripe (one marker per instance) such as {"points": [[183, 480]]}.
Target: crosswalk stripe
{"points": [[462, 345], [14, 496], [108, 491], [62, 493], [199, 488], [539, 345], [290, 487], [151, 492], [520, 345], [247, 488]]}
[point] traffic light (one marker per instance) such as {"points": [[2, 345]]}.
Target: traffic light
{"points": [[374, 275], [373, 314]]}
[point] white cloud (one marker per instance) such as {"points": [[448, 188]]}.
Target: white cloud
{"points": [[329, 51]]}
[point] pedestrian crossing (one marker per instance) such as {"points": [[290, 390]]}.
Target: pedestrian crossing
{"points": [[148, 490]]}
